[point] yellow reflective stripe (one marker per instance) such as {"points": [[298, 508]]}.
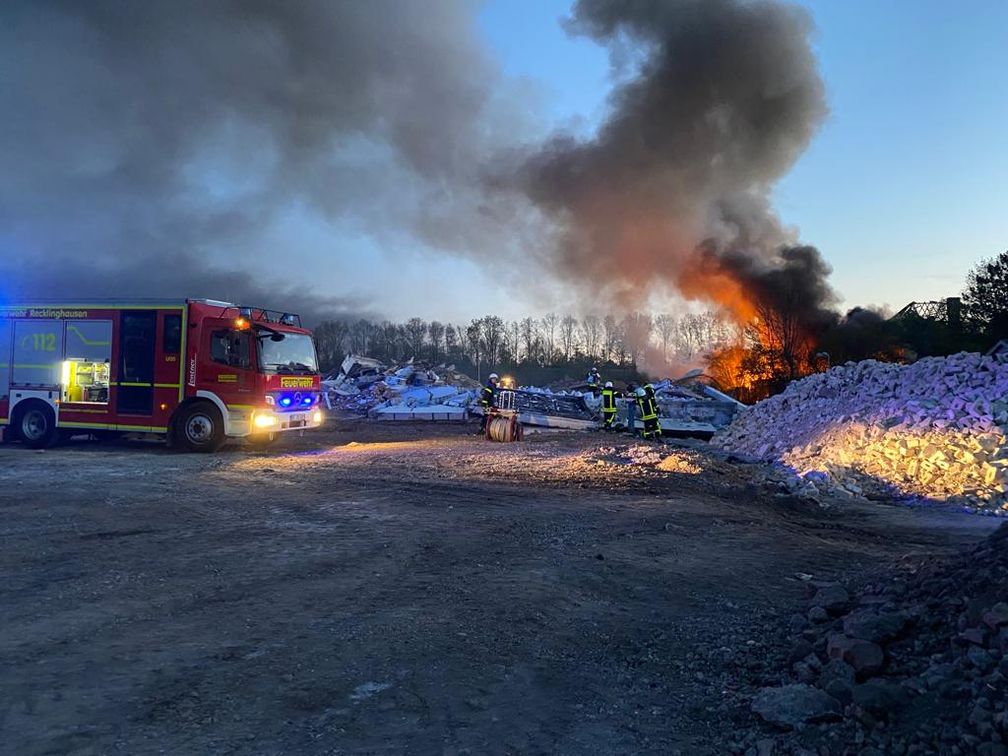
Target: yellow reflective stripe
{"points": [[145, 385], [64, 408], [84, 339], [183, 348], [241, 406], [115, 426]]}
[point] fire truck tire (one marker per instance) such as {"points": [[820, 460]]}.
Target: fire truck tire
{"points": [[199, 427], [35, 424]]}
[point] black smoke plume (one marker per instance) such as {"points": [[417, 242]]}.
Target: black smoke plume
{"points": [[722, 98]]}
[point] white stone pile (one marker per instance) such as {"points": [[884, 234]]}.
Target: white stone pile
{"points": [[935, 429]]}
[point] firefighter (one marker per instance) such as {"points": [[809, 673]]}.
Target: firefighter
{"points": [[593, 379], [649, 411], [487, 399], [631, 408], [650, 390], [608, 406]]}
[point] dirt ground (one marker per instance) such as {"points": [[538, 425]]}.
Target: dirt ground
{"points": [[378, 588]]}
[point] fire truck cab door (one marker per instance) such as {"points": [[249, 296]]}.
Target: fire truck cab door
{"points": [[135, 384], [229, 369]]}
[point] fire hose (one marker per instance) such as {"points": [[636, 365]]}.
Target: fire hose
{"points": [[504, 429]]}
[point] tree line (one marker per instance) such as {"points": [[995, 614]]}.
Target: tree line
{"points": [[550, 341], [776, 350]]}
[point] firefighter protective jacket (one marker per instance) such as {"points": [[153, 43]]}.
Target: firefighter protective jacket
{"points": [[608, 400], [487, 396]]}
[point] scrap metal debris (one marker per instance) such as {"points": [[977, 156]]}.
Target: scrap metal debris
{"points": [[420, 391]]}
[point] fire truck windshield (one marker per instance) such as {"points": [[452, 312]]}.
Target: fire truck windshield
{"points": [[294, 354]]}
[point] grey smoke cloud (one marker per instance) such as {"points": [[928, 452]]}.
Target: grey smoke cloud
{"points": [[155, 135]]}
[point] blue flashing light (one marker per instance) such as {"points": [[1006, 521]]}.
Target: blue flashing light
{"points": [[307, 401], [285, 401]]}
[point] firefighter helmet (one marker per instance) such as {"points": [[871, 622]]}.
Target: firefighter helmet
{"points": [[494, 377], [608, 384]]}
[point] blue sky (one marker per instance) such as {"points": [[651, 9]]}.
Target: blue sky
{"points": [[906, 185]]}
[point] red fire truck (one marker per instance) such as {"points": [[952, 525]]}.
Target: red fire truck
{"points": [[195, 370]]}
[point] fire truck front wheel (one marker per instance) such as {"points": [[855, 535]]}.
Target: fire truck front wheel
{"points": [[36, 424], [199, 427]]}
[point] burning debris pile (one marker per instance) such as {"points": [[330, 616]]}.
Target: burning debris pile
{"points": [[934, 430], [918, 664], [410, 391]]}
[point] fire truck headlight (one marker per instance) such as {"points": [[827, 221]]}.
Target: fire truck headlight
{"points": [[265, 420], [317, 417]]}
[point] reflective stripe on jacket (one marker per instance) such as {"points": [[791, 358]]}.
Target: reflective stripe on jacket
{"points": [[608, 400], [486, 397]]}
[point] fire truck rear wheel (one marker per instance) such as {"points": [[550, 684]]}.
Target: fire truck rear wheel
{"points": [[36, 425], [199, 428]]}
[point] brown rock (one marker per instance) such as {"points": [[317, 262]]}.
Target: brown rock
{"points": [[865, 657]]}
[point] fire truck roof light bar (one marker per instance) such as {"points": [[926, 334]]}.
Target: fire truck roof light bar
{"points": [[262, 315]]}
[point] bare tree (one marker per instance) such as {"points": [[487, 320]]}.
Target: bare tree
{"points": [[474, 344], [665, 325], [591, 334], [610, 337], [360, 336], [330, 341], [549, 322], [416, 330], [529, 333], [568, 328], [690, 335], [493, 330], [451, 340], [435, 332], [636, 334], [515, 328]]}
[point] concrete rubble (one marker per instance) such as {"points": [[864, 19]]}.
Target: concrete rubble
{"points": [[915, 663], [418, 391], [933, 431], [412, 391]]}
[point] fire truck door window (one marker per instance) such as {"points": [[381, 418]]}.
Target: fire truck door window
{"points": [[231, 348], [136, 370], [37, 353], [88, 357], [5, 357], [172, 334], [89, 340]]}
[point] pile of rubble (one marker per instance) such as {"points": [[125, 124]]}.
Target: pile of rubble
{"points": [[410, 391], [419, 391], [918, 664], [685, 407], [934, 430]]}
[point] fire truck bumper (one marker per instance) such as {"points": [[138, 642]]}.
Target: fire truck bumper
{"points": [[267, 421]]}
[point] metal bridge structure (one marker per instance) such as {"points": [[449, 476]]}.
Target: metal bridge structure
{"points": [[944, 310]]}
